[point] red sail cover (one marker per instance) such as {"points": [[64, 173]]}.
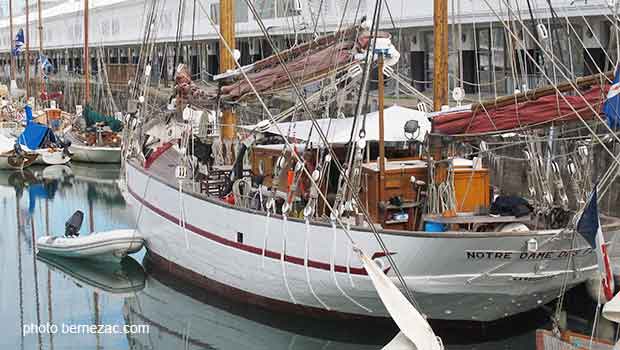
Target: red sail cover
{"points": [[525, 114]]}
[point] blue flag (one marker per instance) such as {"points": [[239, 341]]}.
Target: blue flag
{"points": [[45, 64], [19, 43]]}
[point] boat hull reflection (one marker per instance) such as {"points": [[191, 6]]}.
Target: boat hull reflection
{"points": [[182, 316]]}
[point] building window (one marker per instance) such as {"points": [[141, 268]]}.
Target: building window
{"points": [[241, 12], [491, 58], [288, 8], [266, 8], [215, 13]]}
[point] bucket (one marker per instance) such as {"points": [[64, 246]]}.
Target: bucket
{"points": [[434, 227]]}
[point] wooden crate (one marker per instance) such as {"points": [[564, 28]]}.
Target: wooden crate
{"points": [[472, 189], [397, 183]]}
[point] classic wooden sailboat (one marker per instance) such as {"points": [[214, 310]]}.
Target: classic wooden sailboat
{"points": [[98, 142], [283, 237]]}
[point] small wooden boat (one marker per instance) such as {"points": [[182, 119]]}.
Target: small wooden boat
{"points": [[40, 139], [98, 145], [111, 245], [12, 160], [95, 154]]}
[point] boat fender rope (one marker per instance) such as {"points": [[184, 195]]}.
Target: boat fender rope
{"points": [[349, 259], [283, 260], [333, 270], [182, 214], [267, 218], [306, 257]]}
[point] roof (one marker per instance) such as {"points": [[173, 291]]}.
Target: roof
{"points": [[338, 131]]}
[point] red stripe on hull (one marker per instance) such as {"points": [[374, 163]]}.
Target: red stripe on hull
{"points": [[247, 248]]}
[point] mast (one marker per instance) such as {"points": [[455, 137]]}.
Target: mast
{"points": [[227, 61], [40, 27], [381, 131], [12, 41], [440, 76], [27, 38], [86, 63]]}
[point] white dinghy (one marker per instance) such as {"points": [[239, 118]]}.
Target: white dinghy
{"points": [[110, 245]]}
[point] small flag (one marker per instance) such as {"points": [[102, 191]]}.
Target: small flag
{"points": [[589, 226], [19, 43], [45, 63]]}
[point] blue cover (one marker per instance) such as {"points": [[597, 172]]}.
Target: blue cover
{"points": [[34, 133]]}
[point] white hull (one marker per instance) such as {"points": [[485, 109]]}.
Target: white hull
{"points": [[111, 245], [455, 275], [88, 154], [51, 157]]}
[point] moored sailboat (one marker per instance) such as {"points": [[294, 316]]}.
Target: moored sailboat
{"points": [[283, 235]]}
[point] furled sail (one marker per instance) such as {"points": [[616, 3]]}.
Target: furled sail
{"points": [[530, 109], [307, 63], [527, 114]]}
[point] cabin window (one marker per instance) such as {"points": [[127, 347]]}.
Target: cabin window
{"points": [[240, 237]]}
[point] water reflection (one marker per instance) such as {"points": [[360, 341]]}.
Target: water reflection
{"points": [[44, 290], [122, 279]]}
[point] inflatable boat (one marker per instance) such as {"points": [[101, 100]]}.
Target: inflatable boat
{"points": [[111, 245]]}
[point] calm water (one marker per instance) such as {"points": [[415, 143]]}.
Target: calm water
{"points": [[159, 312]]}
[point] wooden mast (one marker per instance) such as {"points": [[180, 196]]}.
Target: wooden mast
{"points": [[227, 62], [27, 38], [381, 131], [86, 63], [40, 27], [12, 41], [440, 76]]}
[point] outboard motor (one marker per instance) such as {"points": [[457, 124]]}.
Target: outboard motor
{"points": [[65, 148], [17, 148], [73, 225]]}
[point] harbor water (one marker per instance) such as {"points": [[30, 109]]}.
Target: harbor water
{"points": [[52, 303]]}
